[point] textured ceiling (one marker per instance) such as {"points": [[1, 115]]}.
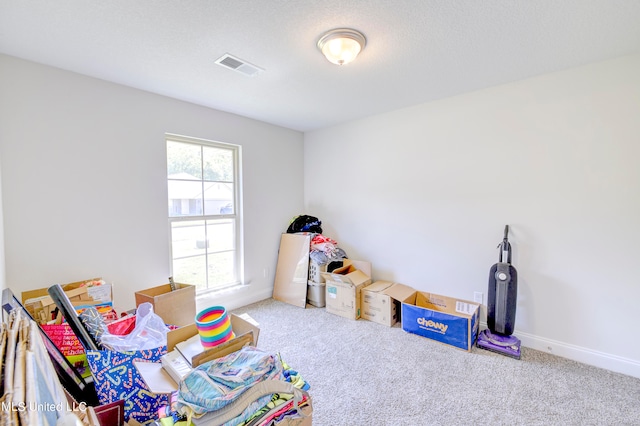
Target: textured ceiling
{"points": [[417, 50]]}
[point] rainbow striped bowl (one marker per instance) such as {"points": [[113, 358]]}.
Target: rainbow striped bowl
{"points": [[214, 326]]}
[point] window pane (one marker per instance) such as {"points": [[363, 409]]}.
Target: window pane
{"points": [[218, 198], [184, 161], [185, 198], [221, 235], [188, 238], [201, 189], [191, 270], [217, 164], [188, 242], [221, 269]]}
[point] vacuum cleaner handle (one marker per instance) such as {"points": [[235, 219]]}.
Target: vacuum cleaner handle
{"points": [[505, 247]]}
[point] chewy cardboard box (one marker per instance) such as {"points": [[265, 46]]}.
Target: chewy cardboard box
{"points": [[381, 301], [441, 318], [343, 287], [177, 307]]}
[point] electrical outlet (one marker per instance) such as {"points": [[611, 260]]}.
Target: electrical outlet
{"points": [[477, 297]]}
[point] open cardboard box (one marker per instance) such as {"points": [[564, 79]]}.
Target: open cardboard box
{"points": [[175, 307], [41, 306], [159, 381], [343, 287], [444, 319], [381, 301]]}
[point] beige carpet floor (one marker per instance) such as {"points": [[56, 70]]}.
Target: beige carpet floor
{"points": [[363, 373]]}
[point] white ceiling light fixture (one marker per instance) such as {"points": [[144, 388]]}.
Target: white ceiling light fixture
{"points": [[342, 45]]}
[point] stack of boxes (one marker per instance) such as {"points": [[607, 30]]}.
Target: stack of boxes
{"points": [[346, 289], [350, 293]]}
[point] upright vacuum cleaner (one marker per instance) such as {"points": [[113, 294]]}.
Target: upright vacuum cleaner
{"points": [[501, 305]]}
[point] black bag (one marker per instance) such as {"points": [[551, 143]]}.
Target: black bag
{"points": [[304, 223]]}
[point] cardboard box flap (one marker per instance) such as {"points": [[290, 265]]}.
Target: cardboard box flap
{"points": [[352, 276], [180, 335], [446, 304], [399, 292], [223, 349], [378, 286], [343, 270], [242, 324], [362, 265]]}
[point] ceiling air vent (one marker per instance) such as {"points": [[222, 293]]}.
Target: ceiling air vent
{"points": [[238, 65]]}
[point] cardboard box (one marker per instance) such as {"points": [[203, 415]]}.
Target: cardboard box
{"points": [[381, 301], [41, 306], [316, 294], [441, 318], [176, 307], [160, 382], [343, 287], [240, 324], [292, 270]]}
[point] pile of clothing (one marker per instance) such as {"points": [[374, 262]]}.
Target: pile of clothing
{"points": [[325, 250], [250, 387], [322, 250]]}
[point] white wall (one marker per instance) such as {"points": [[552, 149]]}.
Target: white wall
{"points": [[83, 165], [3, 284], [424, 194]]}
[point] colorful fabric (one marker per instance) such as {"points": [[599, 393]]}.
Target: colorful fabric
{"points": [[293, 377], [323, 244], [256, 407], [214, 384], [277, 399], [116, 377], [279, 413]]}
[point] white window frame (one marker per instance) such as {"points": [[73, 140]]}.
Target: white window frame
{"points": [[236, 216]]}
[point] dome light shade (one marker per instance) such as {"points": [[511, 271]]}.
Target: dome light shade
{"points": [[342, 45]]}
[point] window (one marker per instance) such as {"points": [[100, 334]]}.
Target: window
{"points": [[202, 183]]}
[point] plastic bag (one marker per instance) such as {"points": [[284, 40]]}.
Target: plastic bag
{"points": [[150, 332], [123, 326]]}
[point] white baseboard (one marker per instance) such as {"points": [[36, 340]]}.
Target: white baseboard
{"points": [[604, 360], [599, 359], [233, 298]]}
